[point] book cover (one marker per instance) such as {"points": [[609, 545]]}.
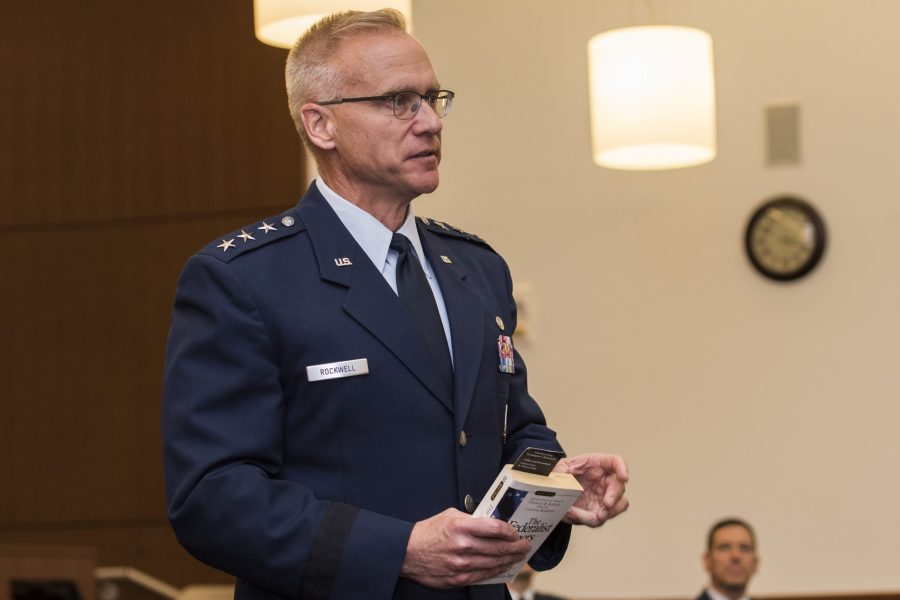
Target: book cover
{"points": [[532, 502]]}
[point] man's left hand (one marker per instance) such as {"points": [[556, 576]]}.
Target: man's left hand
{"points": [[603, 477]]}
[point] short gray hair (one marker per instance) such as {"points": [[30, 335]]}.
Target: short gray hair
{"points": [[309, 73]]}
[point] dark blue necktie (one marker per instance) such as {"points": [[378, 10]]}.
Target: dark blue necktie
{"points": [[417, 297]]}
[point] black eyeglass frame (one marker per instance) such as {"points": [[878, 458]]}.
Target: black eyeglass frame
{"points": [[430, 97]]}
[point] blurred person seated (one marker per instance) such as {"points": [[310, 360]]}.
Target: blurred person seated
{"points": [[730, 559], [520, 587]]}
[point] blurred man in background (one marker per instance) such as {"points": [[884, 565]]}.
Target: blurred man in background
{"points": [[730, 559], [521, 588]]}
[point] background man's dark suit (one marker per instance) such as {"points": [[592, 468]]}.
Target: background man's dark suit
{"points": [[703, 596], [310, 487]]}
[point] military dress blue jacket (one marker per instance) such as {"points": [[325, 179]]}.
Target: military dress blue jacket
{"points": [[310, 488]]}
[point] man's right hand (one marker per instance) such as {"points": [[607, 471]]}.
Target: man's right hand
{"points": [[453, 549]]}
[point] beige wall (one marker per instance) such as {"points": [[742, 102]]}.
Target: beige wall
{"points": [[653, 337]]}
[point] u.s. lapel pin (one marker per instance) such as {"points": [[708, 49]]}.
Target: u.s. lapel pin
{"points": [[446, 259], [342, 262]]}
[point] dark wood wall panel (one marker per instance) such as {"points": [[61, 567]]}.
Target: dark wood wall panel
{"points": [[150, 547], [84, 382], [143, 108], [131, 133]]}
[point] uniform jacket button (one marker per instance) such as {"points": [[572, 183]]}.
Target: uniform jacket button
{"points": [[470, 504]]}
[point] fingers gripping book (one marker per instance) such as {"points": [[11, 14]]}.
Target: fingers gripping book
{"points": [[531, 498]]}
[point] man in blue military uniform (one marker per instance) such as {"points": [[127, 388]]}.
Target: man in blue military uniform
{"points": [[341, 385]]}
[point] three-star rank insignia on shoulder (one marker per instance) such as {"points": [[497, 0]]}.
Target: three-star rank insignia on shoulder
{"points": [[254, 236], [449, 230]]}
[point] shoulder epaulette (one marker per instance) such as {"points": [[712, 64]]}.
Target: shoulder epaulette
{"points": [[449, 230], [254, 236]]}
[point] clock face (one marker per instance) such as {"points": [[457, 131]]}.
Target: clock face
{"points": [[785, 238]]}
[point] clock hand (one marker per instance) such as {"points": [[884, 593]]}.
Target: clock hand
{"points": [[801, 230]]}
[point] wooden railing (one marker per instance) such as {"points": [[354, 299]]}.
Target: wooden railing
{"points": [[48, 564]]}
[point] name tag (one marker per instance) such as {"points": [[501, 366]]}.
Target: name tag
{"points": [[336, 370]]}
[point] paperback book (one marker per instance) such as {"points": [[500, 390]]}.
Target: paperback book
{"points": [[531, 498]]}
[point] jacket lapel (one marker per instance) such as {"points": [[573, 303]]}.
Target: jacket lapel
{"points": [[369, 300], [466, 312]]}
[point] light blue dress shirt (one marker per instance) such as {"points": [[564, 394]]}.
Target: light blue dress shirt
{"points": [[375, 240]]}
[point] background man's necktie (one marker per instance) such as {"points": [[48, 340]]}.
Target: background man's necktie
{"points": [[417, 297]]}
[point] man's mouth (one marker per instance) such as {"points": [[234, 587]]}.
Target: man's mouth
{"points": [[425, 154]]}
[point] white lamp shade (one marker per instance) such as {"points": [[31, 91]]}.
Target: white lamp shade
{"points": [[652, 98], [280, 22]]}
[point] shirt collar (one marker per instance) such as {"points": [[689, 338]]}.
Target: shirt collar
{"points": [[717, 595], [370, 233], [410, 230]]}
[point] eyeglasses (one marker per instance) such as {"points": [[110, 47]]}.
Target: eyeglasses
{"points": [[407, 104]]}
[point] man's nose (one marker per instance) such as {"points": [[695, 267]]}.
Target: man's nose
{"points": [[427, 120]]}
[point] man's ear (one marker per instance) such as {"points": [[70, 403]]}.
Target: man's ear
{"points": [[318, 124], [706, 562]]}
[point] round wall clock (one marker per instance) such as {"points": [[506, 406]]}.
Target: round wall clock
{"points": [[785, 238]]}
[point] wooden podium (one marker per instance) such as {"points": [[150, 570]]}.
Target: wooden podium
{"points": [[34, 564]]}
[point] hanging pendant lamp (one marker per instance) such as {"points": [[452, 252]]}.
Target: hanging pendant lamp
{"points": [[652, 98], [280, 22]]}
